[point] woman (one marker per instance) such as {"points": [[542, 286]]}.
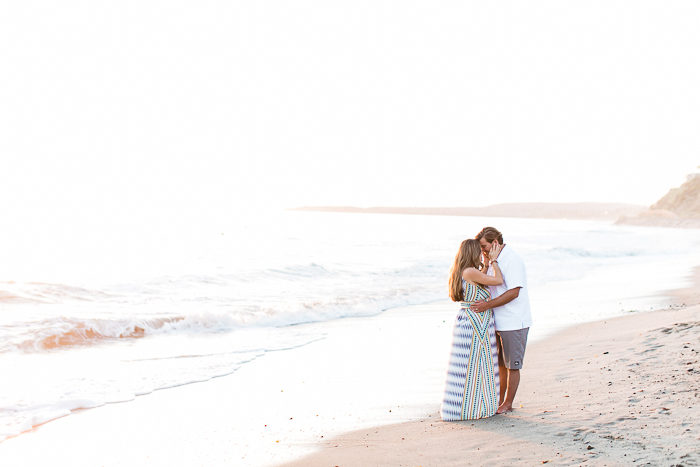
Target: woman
{"points": [[472, 388]]}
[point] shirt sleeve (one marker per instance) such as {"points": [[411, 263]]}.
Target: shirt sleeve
{"points": [[515, 275]]}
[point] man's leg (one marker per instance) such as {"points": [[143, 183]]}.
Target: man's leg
{"points": [[510, 361], [503, 379], [513, 383]]}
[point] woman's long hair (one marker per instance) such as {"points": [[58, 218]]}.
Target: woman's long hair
{"points": [[468, 256]]}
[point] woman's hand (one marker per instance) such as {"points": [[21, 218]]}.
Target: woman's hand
{"points": [[495, 250]]}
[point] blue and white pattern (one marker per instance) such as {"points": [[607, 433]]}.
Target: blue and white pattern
{"points": [[472, 384]]}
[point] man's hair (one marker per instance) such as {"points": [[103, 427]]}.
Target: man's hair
{"points": [[490, 234]]}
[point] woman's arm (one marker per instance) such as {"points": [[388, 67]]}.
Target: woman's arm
{"points": [[474, 275], [485, 266]]}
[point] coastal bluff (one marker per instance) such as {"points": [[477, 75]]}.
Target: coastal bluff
{"points": [[580, 211], [680, 207]]}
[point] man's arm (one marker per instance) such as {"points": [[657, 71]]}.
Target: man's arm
{"points": [[510, 295]]}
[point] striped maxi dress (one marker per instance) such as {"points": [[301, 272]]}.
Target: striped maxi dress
{"points": [[472, 384]]}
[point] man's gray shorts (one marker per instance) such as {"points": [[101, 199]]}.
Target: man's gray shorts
{"points": [[511, 348]]}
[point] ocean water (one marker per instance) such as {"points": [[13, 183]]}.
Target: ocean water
{"points": [[103, 315]]}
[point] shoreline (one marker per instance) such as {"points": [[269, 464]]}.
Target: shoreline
{"points": [[261, 415], [269, 411], [585, 406]]}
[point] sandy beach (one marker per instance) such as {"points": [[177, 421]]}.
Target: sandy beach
{"points": [[621, 391]]}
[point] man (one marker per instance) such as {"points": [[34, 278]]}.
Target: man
{"points": [[511, 310]]}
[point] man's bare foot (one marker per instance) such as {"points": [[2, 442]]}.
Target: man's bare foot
{"points": [[503, 408]]}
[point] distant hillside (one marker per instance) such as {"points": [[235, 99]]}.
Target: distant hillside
{"points": [[591, 211], [679, 208], [684, 200]]}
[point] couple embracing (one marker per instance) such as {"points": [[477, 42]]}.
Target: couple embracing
{"points": [[490, 331]]}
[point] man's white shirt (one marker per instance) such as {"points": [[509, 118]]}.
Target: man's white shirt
{"points": [[516, 314]]}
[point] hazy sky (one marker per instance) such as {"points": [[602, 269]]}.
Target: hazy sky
{"points": [[144, 107]]}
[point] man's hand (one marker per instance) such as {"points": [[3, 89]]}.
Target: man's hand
{"points": [[479, 306]]}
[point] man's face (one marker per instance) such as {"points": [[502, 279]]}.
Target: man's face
{"points": [[485, 246]]}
